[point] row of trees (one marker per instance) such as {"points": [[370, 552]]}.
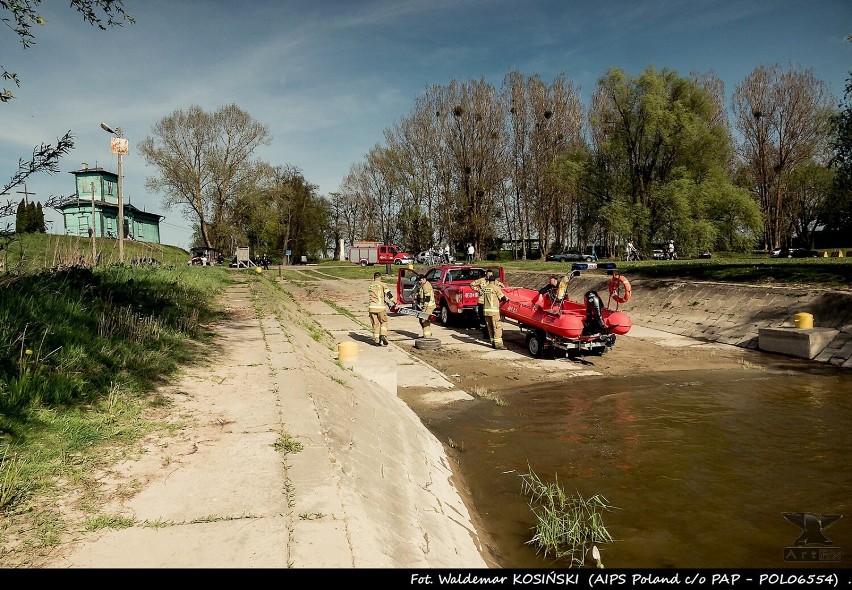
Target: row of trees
{"points": [[29, 218], [653, 157]]}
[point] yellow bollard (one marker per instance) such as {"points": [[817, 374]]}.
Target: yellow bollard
{"points": [[347, 351], [804, 321]]}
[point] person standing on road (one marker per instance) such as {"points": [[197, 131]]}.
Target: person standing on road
{"points": [[672, 253], [492, 295], [378, 309], [447, 253], [470, 252], [632, 252], [424, 299]]}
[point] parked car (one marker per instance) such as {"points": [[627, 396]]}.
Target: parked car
{"points": [[793, 253], [570, 257], [705, 254], [433, 257], [658, 255]]}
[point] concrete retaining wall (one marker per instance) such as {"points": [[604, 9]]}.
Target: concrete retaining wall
{"points": [[722, 312]]}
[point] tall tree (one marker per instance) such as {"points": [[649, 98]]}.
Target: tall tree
{"points": [[654, 129], [544, 121], [39, 217], [839, 216], [782, 116], [204, 161], [810, 188], [474, 123]]}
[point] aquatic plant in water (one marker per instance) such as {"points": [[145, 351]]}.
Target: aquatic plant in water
{"points": [[567, 526]]}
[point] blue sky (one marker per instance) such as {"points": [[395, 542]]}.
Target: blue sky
{"points": [[329, 76]]}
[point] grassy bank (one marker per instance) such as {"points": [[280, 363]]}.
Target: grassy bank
{"points": [[32, 252], [82, 353]]}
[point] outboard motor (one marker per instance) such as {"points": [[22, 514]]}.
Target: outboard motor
{"points": [[594, 323]]}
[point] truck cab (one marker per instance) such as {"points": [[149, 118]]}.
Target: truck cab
{"points": [[454, 297]]}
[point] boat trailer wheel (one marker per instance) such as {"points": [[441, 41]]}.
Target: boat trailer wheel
{"points": [[535, 344]]}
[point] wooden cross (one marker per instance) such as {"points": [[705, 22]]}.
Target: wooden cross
{"points": [[25, 193]]}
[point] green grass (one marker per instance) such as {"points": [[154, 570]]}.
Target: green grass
{"points": [[82, 353], [108, 521], [567, 526], [287, 444], [30, 252]]}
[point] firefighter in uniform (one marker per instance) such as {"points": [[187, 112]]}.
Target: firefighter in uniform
{"points": [[492, 295], [424, 299], [549, 291], [378, 310], [480, 302]]}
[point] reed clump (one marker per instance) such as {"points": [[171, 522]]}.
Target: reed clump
{"points": [[567, 526]]}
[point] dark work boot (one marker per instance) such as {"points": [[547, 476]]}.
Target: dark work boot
{"points": [[383, 340]]}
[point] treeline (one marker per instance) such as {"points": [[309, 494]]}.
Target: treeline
{"points": [[651, 158], [29, 218]]}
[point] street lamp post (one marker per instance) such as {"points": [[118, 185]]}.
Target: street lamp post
{"points": [[119, 146], [94, 228]]}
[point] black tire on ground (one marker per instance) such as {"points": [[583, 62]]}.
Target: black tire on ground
{"points": [[445, 315], [427, 343], [363, 263], [535, 344]]}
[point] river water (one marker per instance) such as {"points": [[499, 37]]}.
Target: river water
{"points": [[698, 467]]}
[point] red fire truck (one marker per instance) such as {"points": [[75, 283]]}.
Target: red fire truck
{"points": [[370, 253]]}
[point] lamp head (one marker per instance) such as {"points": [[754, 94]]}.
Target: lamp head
{"points": [[107, 128]]}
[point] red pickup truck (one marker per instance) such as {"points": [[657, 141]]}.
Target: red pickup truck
{"points": [[454, 297]]}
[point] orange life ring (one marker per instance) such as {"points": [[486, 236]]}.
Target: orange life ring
{"points": [[618, 282]]}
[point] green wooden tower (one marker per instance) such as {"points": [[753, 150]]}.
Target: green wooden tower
{"points": [[95, 208]]}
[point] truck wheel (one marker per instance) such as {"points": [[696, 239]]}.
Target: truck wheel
{"points": [[445, 315], [535, 344], [427, 343], [363, 263], [397, 262]]}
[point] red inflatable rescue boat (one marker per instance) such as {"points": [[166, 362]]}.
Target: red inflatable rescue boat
{"points": [[554, 321]]}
